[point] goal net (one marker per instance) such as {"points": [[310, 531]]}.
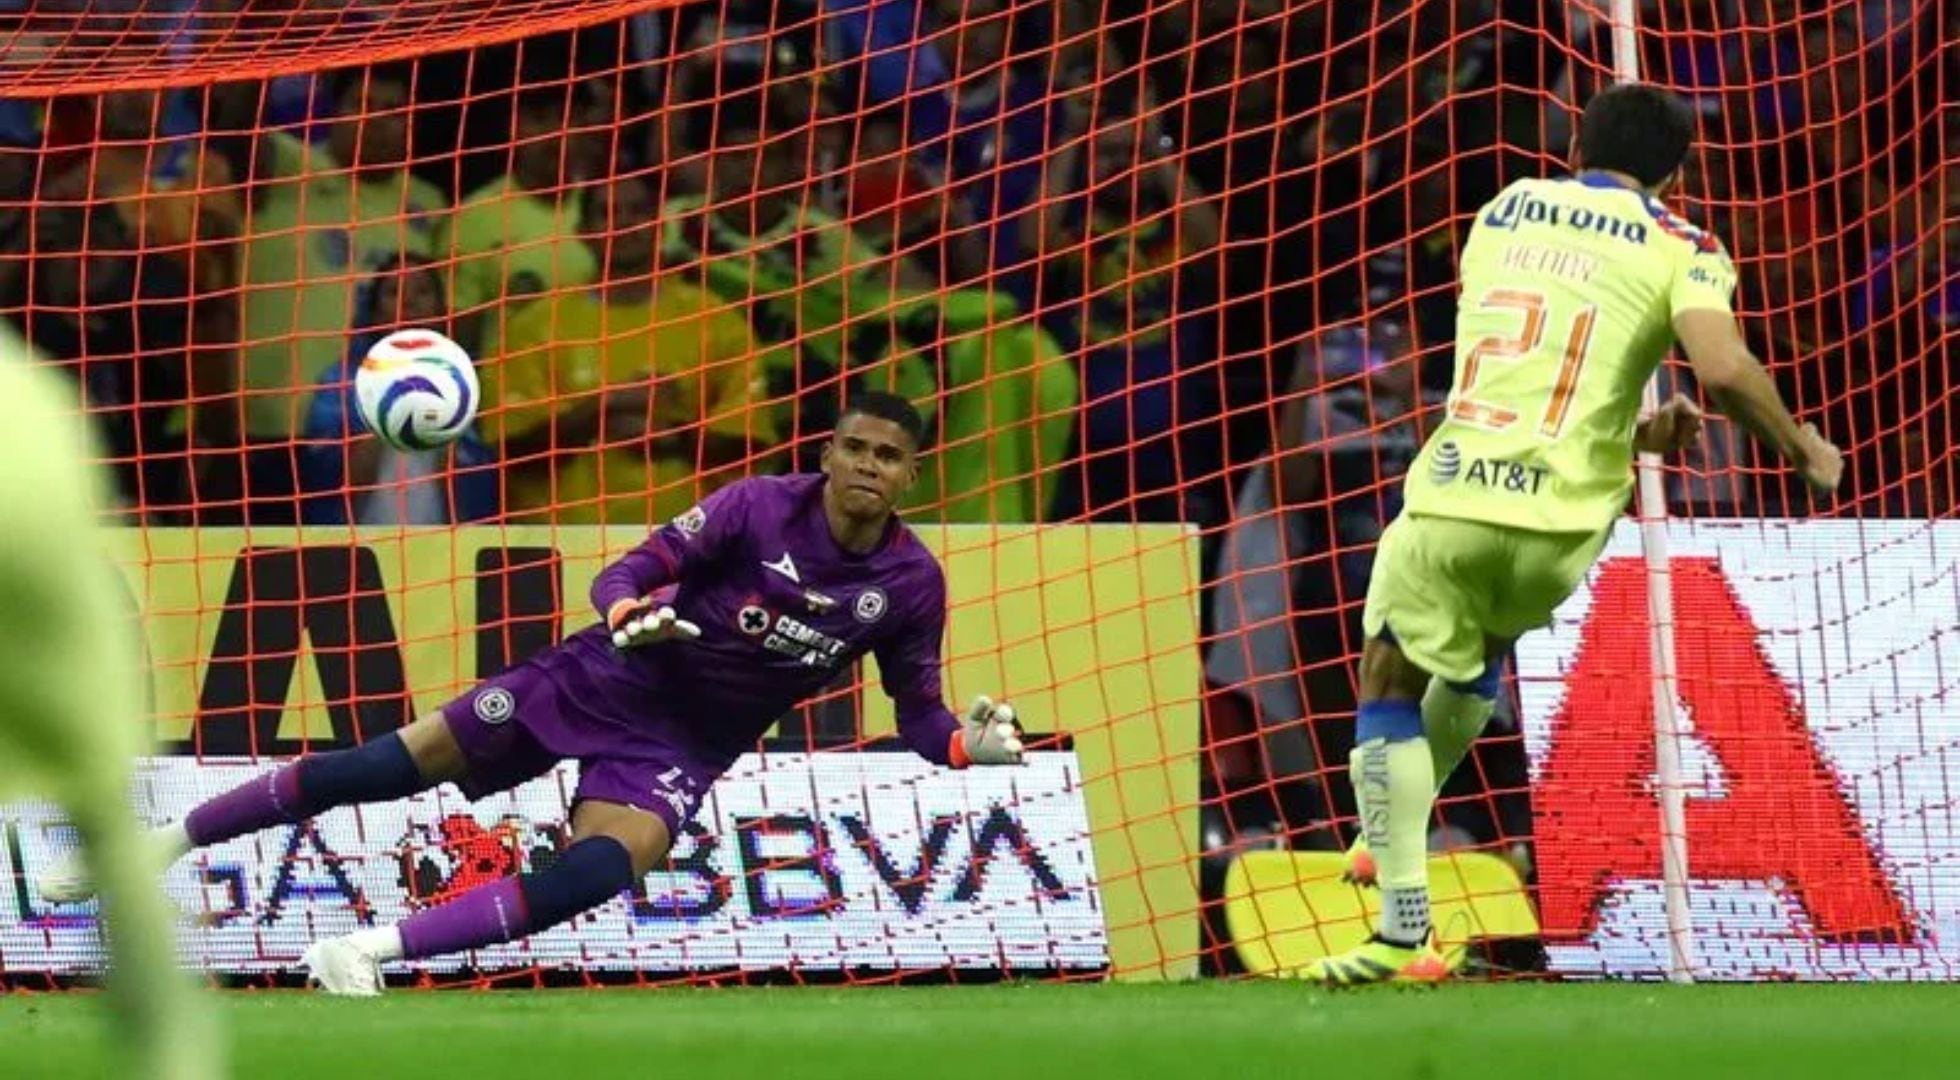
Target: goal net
{"points": [[1173, 285]]}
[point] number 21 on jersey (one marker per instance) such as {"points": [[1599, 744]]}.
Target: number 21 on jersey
{"points": [[1530, 304]]}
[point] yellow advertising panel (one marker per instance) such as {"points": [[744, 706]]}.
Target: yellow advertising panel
{"points": [[1286, 909], [274, 641]]}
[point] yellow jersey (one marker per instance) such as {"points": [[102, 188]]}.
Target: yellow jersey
{"points": [[315, 236], [1568, 292], [561, 350], [510, 244]]}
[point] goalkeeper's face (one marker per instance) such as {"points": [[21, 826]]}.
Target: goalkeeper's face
{"points": [[870, 463]]}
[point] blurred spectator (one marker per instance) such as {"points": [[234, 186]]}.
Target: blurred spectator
{"points": [[302, 102], [1253, 664], [882, 61], [1708, 481], [1286, 611], [592, 146], [1233, 98], [1124, 233], [321, 223], [20, 124], [627, 402], [178, 202], [517, 236], [1922, 479], [1004, 118], [1341, 167], [120, 326], [1417, 263], [1894, 367], [1800, 67], [754, 237], [20, 158], [1841, 119], [996, 391], [1915, 270], [1243, 149], [896, 201], [349, 477], [740, 56], [129, 141], [1698, 52], [1781, 236], [978, 96], [1345, 447]]}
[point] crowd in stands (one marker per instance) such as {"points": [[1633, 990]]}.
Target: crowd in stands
{"points": [[1139, 261]]}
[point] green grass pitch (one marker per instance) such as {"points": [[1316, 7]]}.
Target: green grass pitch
{"points": [[1242, 1030]]}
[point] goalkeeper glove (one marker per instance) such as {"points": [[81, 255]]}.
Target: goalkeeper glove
{"points": [[990, 735], [637, 622]]}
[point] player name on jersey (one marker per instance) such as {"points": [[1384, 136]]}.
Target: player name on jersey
{"points": [[1556, 262]]}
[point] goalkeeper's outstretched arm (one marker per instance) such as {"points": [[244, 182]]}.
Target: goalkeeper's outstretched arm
{"points": [[990, 733], [1745, 393]]}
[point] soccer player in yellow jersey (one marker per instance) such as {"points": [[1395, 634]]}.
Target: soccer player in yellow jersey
{"points": [[68, 693], [1573, 290]]}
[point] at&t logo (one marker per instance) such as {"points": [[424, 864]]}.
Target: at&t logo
{"points": [[1448, 462]]}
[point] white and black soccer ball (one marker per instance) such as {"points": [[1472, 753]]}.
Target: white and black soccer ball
{"points": [[417, 390]]}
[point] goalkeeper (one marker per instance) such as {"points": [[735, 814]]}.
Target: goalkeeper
{"points": [[68, 696], [1572, 292], [768, 589]]}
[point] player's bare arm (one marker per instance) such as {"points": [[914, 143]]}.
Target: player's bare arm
{"points": [[1745, 392]]}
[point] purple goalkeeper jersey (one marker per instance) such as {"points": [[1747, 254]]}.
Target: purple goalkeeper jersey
{"points": [[782, 610]]}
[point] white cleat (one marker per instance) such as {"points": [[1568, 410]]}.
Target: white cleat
{"points": [[341, 967], [67, 881]]}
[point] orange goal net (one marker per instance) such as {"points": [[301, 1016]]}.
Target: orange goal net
{"points": [[1173, 285]]}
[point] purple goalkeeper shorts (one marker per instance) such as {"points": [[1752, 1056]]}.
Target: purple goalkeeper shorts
{"points": [[518, 725]]}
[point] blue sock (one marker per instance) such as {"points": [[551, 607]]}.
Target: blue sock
{"points": [[588, 874], [375, 771], [1484, 686], [1390, 720]]}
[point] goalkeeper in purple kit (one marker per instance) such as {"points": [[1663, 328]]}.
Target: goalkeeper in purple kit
{"points": [[769, 588]]}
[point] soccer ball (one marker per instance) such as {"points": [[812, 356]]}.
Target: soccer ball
{"points": [[416, 389]]}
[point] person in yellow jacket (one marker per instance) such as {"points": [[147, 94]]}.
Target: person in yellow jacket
{"points": [[628, 401]]}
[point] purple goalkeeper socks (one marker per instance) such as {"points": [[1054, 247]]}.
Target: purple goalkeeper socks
{"points": [[374, 771], [588, 874], [258, 803], [486, 915]]}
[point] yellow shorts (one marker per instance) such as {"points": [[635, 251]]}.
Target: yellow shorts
{"points": [[1441, 585]]}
